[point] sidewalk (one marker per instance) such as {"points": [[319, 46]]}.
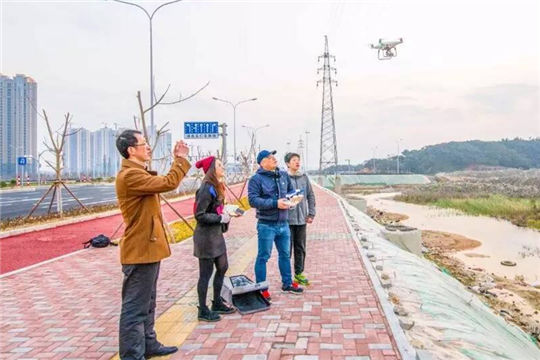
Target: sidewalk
{"points": [[19, 251], [69, 308]]}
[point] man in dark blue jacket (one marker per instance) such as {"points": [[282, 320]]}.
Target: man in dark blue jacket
{"points": [[267, 192]]}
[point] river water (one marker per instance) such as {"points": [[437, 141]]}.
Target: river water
{"points": [[501, 240]]}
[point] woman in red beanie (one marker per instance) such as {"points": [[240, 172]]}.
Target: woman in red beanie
{"points": [[209, 243]]}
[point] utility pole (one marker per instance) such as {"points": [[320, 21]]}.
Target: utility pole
{"points": [[328, 153], [307, 151], [397, 157], [373, 159], [252, 154], [300, 146], [224, 144]]}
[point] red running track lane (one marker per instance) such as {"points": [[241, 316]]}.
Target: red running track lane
{"points": [[23, 250]]}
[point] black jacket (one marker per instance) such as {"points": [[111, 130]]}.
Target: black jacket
{"points": [[208, 237], [265, 188]]}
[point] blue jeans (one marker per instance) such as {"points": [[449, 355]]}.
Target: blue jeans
{"points": [[280, 234]]}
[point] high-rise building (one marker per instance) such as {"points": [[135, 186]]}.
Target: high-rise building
{"points": [[78, 153], [18, 125], [94, 153], [105, 157], [162, 152], [91, 154]]}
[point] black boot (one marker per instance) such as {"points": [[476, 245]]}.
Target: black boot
{"points": [[205, 314], [221, 308]]}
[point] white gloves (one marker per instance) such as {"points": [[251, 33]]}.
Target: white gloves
{"points": [[225, 217]]}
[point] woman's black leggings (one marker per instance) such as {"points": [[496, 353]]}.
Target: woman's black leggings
{"points": [[206, 267]]}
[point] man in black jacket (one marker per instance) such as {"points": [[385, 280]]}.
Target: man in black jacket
{"points": [[267, 192]]}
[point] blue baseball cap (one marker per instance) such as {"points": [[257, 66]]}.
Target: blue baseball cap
{"points": [[264, 154]]}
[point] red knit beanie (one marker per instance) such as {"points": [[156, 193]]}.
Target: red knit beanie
{"points": [[205, 163]]}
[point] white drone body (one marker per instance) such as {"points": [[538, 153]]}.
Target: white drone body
{"points": [[386, 49]]}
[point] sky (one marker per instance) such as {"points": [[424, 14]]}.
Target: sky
{"points": [[466, 69]]}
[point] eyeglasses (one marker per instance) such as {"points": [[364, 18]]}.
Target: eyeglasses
{"points": [[143, 144]]}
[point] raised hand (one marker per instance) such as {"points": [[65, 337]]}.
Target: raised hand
{"points": [[181, 149]]}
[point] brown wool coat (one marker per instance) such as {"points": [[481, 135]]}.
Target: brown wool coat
{"points": [[137, 189]]}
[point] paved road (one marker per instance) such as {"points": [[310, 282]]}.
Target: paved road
{"points": [[19, 203]]}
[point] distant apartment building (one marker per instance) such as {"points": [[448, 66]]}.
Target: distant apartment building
{"points": [[106, 159], [18, 125], [94, 154], [78, 153], [90, 153], [162, 152]]}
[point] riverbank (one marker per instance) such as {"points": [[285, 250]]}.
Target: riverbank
{"points": [[512, 298], [524, 212], [501, 240], [511, 194]]}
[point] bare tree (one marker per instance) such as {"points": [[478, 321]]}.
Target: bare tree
{"points": [[56, 147], [153, 141], [140, 122]]}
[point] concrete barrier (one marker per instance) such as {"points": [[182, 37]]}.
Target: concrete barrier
{"points": [[405, 237], [337, 185], [359, 203]]}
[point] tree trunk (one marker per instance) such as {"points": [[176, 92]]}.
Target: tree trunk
{"points": [[57, 184]]}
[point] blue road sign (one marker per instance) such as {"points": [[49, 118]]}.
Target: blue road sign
{"points": [[201, 130], [21, 160]]}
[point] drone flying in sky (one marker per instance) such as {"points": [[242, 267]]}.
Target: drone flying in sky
{"points": [[386, 49]]}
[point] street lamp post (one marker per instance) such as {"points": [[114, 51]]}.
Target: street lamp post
{"points": [[150, 18], [234, 118]]}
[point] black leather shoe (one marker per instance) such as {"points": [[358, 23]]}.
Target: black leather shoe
{"points": [[162, 351], [205, 314]]}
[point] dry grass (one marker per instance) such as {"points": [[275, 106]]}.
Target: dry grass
{"points": [[182, 231], [513, 195]]}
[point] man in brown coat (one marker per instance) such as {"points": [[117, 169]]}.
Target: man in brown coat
{"points": [[144, 243]]}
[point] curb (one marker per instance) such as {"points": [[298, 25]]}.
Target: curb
{"points": [[31, 188], [405, 349]]}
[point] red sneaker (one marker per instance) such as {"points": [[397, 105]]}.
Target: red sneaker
{"points": [[266, 295], [293, 289]]}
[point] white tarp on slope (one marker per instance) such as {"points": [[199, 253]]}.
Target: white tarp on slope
{"points": [[402, 179], [450, 322]]}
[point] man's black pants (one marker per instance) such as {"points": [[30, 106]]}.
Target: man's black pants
{"points": [[137, 335], [298, 247]]}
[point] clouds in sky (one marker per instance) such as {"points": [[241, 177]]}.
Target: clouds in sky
{"points": [[466, 69]]}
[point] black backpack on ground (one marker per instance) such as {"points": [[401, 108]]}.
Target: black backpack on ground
{"points": [[99, 241]]}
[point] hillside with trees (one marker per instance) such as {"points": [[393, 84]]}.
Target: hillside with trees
{"points": [[455, 156]]}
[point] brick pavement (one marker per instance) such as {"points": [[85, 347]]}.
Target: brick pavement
{"points": [[69, 308], [338, 317]]}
